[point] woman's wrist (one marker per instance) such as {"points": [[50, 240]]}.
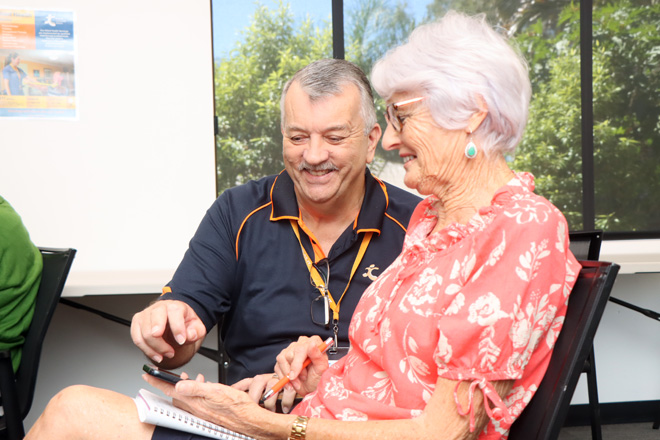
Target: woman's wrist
{"points": [[299, 428], [266, 424]]}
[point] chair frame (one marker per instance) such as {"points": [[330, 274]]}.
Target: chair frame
{"points": [[593, 241], [544, 416], [17, 390]]}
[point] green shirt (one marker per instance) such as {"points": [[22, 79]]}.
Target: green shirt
{"points": [[20, 276]]}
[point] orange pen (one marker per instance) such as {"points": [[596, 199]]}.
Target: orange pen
{"points": [[280, 384]]}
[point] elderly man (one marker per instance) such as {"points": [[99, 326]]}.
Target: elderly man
{"points": [[265, 250], [284, 256]]}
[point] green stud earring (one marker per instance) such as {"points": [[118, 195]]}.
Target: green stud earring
{"points": [[471, 150]]}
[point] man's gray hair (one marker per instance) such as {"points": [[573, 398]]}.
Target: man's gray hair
{"points": [[327, 77]]}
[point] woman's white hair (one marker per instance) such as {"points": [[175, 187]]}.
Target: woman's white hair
{"points": [[455, 62]]}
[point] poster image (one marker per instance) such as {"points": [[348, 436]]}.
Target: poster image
{"points": [[37, 52]]}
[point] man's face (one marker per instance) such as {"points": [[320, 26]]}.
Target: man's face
{"points": [[325, 149]]}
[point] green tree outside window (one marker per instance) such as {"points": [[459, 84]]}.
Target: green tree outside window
{"points": [[626, 86]]}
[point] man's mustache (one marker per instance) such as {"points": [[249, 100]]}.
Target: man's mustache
{"points": [[325, 166]]}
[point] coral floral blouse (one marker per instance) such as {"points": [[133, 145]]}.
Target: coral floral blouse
{"points": [[473, 303]]}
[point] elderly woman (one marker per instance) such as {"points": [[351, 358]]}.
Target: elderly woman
{"points": [[456, 335], [452, 340]]}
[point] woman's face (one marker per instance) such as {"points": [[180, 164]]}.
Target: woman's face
{"points": [[432, 156]]}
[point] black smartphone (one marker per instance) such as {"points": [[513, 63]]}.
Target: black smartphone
{"points": [[165, 375]]}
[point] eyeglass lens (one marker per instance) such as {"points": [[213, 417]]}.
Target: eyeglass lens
{"points": [[320, 307], [392, 117], [320, 310]]}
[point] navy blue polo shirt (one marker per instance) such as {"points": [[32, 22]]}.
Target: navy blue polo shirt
{"points": [[245, 264]]}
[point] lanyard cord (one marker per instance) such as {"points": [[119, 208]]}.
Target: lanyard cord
{"points": [[319, 280]]}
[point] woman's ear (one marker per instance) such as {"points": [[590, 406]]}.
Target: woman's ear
{"points": [[478, 117]]}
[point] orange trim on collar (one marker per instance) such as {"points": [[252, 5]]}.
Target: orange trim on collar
{"points": [[384, 188], [396, 221], [318, 251], [284, 217], [374, 230], [387, 203]]}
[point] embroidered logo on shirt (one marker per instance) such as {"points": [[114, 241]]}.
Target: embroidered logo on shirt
{"points": [[369, 272]]}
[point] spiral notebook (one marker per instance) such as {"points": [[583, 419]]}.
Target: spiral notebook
{"points": [[159, 411]]}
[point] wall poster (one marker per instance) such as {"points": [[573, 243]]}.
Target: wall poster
{"points": [[37, 53]]}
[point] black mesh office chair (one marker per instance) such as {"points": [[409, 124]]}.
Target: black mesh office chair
{"points": [[17, 390], [545, 415]]}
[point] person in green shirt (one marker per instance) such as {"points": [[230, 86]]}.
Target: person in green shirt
{"points": [[20, 276]]}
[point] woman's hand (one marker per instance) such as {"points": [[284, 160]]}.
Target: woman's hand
{"points": [[213, 402], [290, 363], [258, 385]]}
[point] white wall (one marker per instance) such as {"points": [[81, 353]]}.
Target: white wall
{"points": [[128, 182], [627, 344]]}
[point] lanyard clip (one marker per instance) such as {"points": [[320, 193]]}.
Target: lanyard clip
{"points": [[335, 330]]}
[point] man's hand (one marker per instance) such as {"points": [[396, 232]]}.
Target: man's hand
{"points": [[168, 332]]}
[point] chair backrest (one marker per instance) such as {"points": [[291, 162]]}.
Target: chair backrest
{"points": [[585, 245], [544, 416], [57, 263]]}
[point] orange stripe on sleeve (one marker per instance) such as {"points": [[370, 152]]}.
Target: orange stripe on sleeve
{"points": [[243, 224]]}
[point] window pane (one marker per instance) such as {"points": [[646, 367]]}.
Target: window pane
{"points": [[548, 35], [257, 48], [626, 56], [371, 28]]}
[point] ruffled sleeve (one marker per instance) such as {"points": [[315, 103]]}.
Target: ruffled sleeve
{"points": [[509, 293]]}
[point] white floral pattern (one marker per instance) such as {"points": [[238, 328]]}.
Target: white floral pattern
{"points": [[486, 310], [479, 302]]}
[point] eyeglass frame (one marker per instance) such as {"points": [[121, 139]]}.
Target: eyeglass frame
{"points": [[393, 118], [325, 297], [325, 277]]}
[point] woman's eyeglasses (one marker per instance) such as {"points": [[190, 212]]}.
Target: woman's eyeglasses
{"points": [[392, 112]]}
